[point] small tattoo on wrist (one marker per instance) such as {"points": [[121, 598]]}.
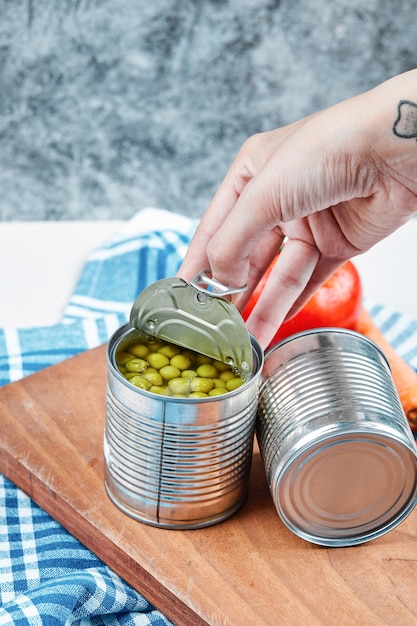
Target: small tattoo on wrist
{"points": [[405, 125]]}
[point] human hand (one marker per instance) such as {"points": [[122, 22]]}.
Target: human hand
{"points": [[324, 189]]}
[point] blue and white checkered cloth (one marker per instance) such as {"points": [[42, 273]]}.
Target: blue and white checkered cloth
{"points": [[46, 575]]}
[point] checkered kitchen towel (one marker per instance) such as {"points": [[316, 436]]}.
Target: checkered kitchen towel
{"points": [[46, 575]]}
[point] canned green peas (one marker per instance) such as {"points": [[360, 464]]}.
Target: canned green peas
{"points": [[166, 369]]}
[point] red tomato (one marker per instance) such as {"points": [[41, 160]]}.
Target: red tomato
{"points": [[337, 302]]}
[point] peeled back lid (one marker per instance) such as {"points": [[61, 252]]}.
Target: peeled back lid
{"points": [[197, 317]]}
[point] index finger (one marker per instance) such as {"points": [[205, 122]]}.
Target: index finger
{"points": [[196, 257], [244, 234], [245, 167]]}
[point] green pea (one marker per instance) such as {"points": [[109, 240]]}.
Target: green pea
{"points": [[139, 350], [234, 383], [217, 391], [220, 366], [219, 383], [140, 382], [156, 345], [169, 350], [130, 375], [181, 361], [169, 371], [202, 359], [123, 357], [161, 391], [227, 375], [201, 384], [154, 378], [188, 373], [207, 371], [178, 385], [136, 365], [198, 394], [157, 360]]}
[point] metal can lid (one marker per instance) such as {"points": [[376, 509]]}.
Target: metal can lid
{"points": [[194, 318], [347, 488]]}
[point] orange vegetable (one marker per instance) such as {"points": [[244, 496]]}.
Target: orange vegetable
{"points": [[405, 378]]}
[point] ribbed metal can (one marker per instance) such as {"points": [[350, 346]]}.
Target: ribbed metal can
{"points": [[178, 462], [339, 455]]}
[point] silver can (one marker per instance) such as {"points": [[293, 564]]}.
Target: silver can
{"points": [[339, 455], [178, 462]]}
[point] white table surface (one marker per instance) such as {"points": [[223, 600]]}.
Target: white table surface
{"points": [[40, 263]]}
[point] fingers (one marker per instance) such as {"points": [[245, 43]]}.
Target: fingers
{"points": [[323, 270], [249, 162], [243, 169], [288, 186], [288, 279], [263, 254], [251, 230], [196, 258]]}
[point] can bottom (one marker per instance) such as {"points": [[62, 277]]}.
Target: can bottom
{"points": [[347, 489], [170, 524]]}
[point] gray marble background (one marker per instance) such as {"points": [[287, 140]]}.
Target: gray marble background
{"points": [[108, 106]]}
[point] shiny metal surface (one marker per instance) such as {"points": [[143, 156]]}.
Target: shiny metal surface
{"points": [[178, 462], [205, 282], [339, 456], [173, 310]]}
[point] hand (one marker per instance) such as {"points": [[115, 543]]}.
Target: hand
{"points": [[324, 189]]}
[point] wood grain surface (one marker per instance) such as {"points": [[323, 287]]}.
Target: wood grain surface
{"points": [[248, 570]]}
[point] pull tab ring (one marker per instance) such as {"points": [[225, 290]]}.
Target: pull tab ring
{"points": [[206, 283]]}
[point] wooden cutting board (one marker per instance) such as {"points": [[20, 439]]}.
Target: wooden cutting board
{"points": [[248, 570]]}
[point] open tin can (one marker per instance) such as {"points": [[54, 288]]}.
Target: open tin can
{"points": [[181, 462], [339, 455]]}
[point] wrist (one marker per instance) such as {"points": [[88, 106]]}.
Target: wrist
{"points": [[391, 109]]}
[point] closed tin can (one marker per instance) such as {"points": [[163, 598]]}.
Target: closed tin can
{"points": [[339, 455], [178, 462]]}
